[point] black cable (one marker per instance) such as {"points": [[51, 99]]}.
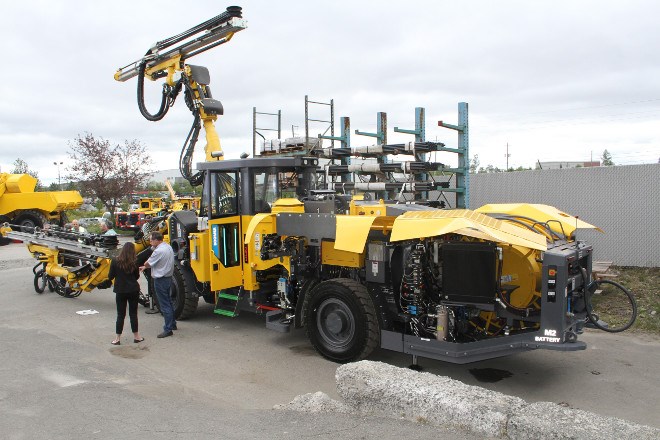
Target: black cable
{"points": [[164, 103], [186, 157], [590, 291]]}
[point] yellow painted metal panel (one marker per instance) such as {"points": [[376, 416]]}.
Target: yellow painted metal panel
{"points": [[200, 251], [335, 257], [255, 222], [288, 205], [20, 183], [373, 208], [540, 213], [352, 231], [259, 225], [417, 224], [521, 272], [224, 277], [42, 201]]}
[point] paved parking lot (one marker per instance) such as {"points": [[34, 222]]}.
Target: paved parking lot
{"points": [[59, 368]]}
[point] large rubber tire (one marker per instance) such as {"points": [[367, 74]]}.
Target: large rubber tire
{"points": [[64, 219], [341, 320], [40, 281], [182, 292], [30, 219]]}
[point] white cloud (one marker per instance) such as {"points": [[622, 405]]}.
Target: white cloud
{"points": [[556, 80]]}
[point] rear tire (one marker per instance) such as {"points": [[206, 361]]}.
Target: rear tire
{"points": [[30, 219], [182, 292], [64, 219], [341, 320]]}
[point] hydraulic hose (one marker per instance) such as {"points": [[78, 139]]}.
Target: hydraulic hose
{"points": [[186, 157], [165, 102], [232, 11]]}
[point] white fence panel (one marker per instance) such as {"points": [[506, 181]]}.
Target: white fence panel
{"points": [[622, 200]]}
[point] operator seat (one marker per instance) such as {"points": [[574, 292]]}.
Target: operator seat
{"points": [[201, 76]]}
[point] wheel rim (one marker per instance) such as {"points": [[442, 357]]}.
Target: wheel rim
{"points": [[335, 323], [28, 225]]}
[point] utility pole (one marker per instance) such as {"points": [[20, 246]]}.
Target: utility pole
{"points": [[507, 156], [59, 179]]}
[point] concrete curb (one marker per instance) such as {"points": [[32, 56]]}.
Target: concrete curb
{"points": [[384, 390], [550, 421]]}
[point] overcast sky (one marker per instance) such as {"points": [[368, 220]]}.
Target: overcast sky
{"points": [[556, 80]]}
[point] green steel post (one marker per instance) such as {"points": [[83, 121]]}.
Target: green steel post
{"points": [[463, 151], [381, 136], [420, 136], [463, 179]]}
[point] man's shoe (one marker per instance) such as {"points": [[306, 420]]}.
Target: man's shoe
{"points": [[165, 334], [174, 328], [151, 311]]}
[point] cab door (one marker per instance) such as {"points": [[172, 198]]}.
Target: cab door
{"points": [[225, 231]]}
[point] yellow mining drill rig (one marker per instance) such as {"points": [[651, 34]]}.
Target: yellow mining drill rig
{"points": [[452, 284]]}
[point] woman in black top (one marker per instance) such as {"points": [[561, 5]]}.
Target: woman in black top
{"points": [[125, 273]]}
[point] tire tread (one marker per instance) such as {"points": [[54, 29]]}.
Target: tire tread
{"points": [[368, 311]]}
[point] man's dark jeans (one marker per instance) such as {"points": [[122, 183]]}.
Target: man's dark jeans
{"points": [[162, 287]]}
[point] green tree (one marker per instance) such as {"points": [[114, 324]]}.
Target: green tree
{"points": [[606, 159], [186, 189], [21, 167], [474, 164], [156, 189], [108, 172], [490, 169]]}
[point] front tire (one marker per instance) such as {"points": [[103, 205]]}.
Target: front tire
{"points": [[182, 292], [341, 320]]}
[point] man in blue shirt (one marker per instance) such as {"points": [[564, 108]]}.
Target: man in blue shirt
{"points": [[106, 228], [161, 263]]}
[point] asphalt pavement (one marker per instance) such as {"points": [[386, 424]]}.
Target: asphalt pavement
{"points": [[220, 377]]}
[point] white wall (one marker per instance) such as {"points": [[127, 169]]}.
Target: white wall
{"points": [[622, 200]]}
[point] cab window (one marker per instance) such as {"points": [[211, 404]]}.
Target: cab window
{"points": [[222, 194], [266, 190]]}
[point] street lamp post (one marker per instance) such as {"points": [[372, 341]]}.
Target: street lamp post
{"points": [[59, 180]]}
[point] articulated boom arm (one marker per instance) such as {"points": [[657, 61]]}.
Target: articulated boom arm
{"points": [[166, 60], [219, 30]]}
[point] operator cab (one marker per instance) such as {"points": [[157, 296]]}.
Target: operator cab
{"points": [[251, 186]]}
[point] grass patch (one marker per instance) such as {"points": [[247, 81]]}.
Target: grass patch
{"points": [[644, 283]]}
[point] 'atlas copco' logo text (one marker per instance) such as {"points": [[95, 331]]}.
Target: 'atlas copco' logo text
{"points": [[550, 336]]}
